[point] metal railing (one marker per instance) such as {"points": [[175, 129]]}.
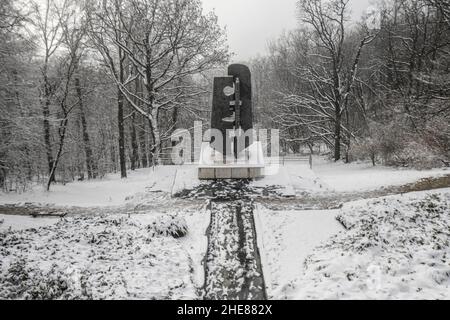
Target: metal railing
{"points": [[166, 159], [286, 159]]}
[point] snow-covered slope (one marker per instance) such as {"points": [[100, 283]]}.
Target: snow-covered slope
{"points": [[105, 257], [292, 179], [286, 238], [358, 177], [396, 247], [110, 191]]}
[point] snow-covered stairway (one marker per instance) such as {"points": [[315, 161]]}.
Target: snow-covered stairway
{"points": [[233, 266]]}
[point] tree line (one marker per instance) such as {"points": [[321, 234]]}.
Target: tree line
{"points": [[98, 86], [378, 89]]}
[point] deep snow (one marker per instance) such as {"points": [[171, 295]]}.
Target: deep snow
{"points": [[110, 191], [305, 254], [145, 256], [286, 238], [397, 247], [17, 223], [363, 176]]}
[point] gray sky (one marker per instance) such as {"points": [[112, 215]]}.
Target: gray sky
{"points": [[251, 23]]}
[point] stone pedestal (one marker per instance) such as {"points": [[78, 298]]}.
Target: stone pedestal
{"points": [[251, 167]]}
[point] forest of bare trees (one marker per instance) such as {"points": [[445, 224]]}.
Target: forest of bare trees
{"points": [[378, 89], [98, 86], [93, 87]]}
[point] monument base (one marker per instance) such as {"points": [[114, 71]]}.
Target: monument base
{"points": [[230, 173], [250, 164]]}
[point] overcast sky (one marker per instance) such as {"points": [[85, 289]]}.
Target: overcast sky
{"points": [[251, 23]]}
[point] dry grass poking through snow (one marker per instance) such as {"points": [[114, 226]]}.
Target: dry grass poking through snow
{"points": [[396, 247], [102, 257]]}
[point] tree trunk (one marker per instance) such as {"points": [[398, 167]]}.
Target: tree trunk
{"points": [[337, 136], [120, 120], [62, 137], [143, 144], [122, 159], [175, 118], [152, 111], [46, 122], [90, 164], [134, 144], [311, 148], [156, 137], [2, 179], [134, 139], [19, 105], [112, 154]]}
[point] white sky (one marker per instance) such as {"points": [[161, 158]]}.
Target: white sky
{"points": [[251, 23]]}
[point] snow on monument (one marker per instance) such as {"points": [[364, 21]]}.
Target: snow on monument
{"points": [[233, 150]]}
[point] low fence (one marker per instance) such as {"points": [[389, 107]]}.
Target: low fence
{"points": [[291, 158], [166, 159]]}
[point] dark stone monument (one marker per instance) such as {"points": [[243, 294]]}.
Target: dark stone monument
{"points": [[232, 114], [232, 106]]}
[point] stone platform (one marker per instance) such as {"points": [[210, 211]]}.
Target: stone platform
{"points": [[230, 173], [250, 165]]}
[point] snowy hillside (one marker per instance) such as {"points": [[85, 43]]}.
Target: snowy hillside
{"points": [[395, 247], [146, 256], [363, 176], [142, 238], [110, 191]]}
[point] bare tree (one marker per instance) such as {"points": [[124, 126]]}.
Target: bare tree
{"points": [[14, 147], [328, 67], [91, 166], [165, 41], [49, 30], [114, 57], [73, 32]]}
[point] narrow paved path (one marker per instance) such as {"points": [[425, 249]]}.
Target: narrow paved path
{"points": [[232, 264], [233, 267]]}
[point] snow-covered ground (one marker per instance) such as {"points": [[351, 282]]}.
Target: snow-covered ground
{"points": [[17, 223], [110, 191], [292, 178], [286, 238], [396, 247], [363, 176], [144, 256], [295, 178]]}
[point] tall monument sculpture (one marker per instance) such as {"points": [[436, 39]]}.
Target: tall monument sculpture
{"points": [[233, 151]]}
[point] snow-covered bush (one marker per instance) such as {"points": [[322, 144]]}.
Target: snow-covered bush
{"points": [[415, 154], [437, 136], [170, 225], [98, 257], [397, 145], [367, 148], [24, 282], [380, 142]]}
